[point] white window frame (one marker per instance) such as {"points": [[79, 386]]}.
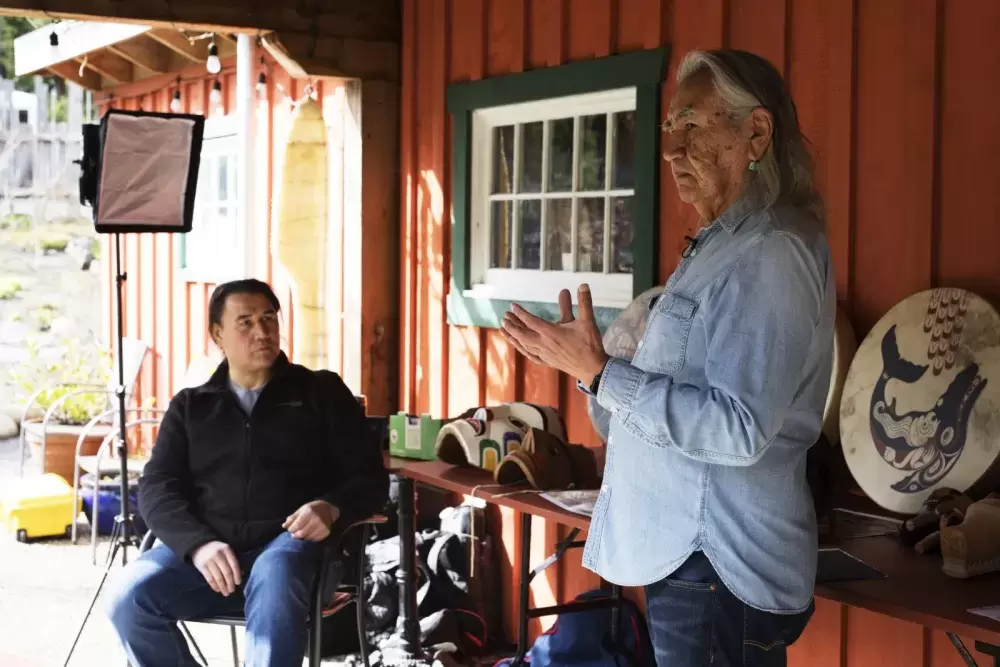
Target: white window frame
{"points": [[515, 284], [227, 259]]}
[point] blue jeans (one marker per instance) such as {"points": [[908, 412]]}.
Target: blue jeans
{"points": [[160, 588], [694, 620]]}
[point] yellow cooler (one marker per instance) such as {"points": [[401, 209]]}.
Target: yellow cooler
{"points": [[37, 507]]}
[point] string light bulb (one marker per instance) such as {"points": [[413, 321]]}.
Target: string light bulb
{"points": [[262, 85], [216, 95], [213, 64], [54, 39], [175, 103]]}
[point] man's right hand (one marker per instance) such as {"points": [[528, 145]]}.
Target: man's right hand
{"points": [[218, 564]]}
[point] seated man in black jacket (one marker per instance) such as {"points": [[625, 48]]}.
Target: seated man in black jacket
{"points": [[250, 472]]}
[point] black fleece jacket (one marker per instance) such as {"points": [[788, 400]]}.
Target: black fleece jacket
{"points": [[217, 474]]}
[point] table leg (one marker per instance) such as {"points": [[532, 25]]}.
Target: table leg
{"points": [[982, 647], [523, 603], [408, 623], [990, 650]]}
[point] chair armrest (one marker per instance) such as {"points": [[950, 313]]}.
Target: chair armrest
{"points": [[333, 544], [336, 539], [374, 520]]}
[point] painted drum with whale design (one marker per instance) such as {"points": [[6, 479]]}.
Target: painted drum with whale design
{"points": [[921, 404]]}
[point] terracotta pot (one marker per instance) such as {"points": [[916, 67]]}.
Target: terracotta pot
{"points": [[60, 445]]}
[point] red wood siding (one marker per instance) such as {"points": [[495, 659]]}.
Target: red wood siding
{"points": [[890, 93], [161, 306]]}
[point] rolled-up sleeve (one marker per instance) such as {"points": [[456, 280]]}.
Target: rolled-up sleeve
{"points": [[760, 324]]}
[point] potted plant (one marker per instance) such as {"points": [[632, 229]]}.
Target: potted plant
{"points": [[50, 369]]}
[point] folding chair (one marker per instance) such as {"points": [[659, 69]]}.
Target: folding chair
{"points": [[343, 595]]}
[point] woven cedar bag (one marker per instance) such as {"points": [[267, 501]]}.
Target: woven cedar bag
{"points": [[549, 464]]}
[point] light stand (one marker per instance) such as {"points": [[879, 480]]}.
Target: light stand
{"points": [[124, 534]]}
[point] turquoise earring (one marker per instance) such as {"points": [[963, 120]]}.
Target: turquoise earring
{"points": [[753, 165]]}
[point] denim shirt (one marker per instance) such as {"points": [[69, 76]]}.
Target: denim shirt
{"points": [[712, 419]]}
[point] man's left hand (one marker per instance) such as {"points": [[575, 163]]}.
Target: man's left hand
{"points": [[312, 521], [573, 345]]}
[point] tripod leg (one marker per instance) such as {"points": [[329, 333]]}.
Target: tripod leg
{"points": [[93, 601]]}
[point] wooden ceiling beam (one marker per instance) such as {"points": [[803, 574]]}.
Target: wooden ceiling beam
{"points": [[145, 53], [110, 66], [230, 16], [338, 57], [178, 43], [34, 52], [71, 72]]}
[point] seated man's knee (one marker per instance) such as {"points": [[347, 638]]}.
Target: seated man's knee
{"points": [[121, 604], [283, 575], [133, 594]]}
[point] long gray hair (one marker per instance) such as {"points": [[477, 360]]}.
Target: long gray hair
{"points": [[745, 81]]}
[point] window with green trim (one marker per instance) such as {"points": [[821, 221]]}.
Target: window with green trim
{"points": [[555, 184]]}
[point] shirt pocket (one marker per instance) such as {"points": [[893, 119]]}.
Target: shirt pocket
{"points": [[667, 331]]}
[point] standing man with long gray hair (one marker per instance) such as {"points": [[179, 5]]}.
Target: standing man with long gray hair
{"points": [[705, 500]]}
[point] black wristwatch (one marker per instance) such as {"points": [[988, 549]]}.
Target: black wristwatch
{"points": [[595, 384]]}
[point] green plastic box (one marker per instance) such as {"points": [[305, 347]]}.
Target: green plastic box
{"points": [[413, 437]]}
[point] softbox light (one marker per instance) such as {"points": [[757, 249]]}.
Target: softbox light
{"points": [[145, 172]]}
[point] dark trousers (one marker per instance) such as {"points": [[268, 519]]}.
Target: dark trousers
{"points": [[694, 620]]}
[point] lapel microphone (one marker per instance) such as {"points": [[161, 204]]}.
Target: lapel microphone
{"points": [[689, 249]]}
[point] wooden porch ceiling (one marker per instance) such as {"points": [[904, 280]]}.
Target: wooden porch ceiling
{"points": [[357, 19], [328, 38], [100, 56]]}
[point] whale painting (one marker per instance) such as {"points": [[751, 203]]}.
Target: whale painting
{"points": [[919, 409], [924, 443]]}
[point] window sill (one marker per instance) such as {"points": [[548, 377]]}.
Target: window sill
{"points": [[464, 309]]}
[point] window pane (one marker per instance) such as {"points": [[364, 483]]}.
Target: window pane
{"points": [[624, 151], [500, 227], [593, 142], [531, 234], [531, 157], [223, 179], [621, 234], [590, 235], [561, 155], [559, 235], [202, 194], [503, 159]]}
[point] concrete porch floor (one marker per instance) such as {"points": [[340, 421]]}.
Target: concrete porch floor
{"points": [[45, 588]]}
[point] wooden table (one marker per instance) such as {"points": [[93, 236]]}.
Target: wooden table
{"points": [[479, 483], [914, 589]]}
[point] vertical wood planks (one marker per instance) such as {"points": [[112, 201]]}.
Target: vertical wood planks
{"points": [[466, 33], [758, 26], [895, 154], [967, 231], [821, 80]]}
